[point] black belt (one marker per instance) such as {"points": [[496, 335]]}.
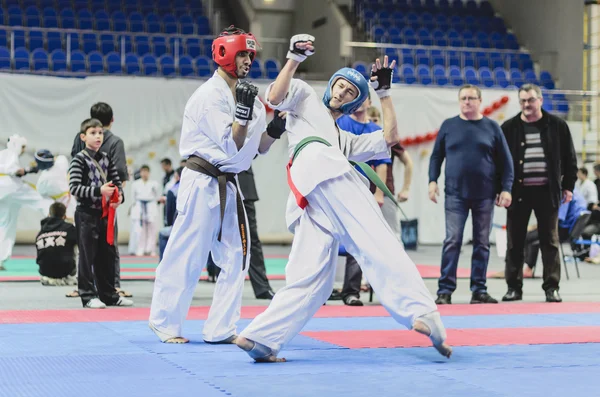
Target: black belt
{"points": [[202, 166]]}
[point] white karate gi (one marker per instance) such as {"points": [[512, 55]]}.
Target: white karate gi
{"points": [[53, 183], [206, 132], [341, 210], [144, 214], [14, 194]]}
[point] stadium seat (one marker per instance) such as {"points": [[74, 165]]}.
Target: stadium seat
{"points": [[132, 64], [39, 59], [78, 61], [167, 65], [58, 60], [4, 58], [272, 68], [113, 63], [149, 64], [203, 67], [22, 59], [256, 69], [186, 66], [95, 62]]}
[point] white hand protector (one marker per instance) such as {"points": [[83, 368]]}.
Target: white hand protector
{"points": [[296, 53]]}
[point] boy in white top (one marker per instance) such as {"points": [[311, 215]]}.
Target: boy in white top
{"points": [[586, 187], [223, 130], [144, 212], [331, 205]]}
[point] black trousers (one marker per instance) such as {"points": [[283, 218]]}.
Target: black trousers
{"points": [[96, 267], [257, 271], [538, 200], [117, 257], [352, 278], [532, 245]]}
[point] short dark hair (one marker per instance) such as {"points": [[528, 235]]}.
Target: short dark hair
{"points": [[89, 123], [58, 210], [103, 112], [145, 167], [166, 161], [597, 167], [584, 171]]}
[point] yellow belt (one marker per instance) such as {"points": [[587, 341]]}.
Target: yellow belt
{"points": [[24, 181]]}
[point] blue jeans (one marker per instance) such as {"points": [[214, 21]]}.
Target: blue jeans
{"points": [[457, 211]]}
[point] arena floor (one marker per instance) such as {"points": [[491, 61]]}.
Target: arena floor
{"points": [[50, 346]]}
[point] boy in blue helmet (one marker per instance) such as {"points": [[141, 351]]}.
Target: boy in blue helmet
{"points": [[330, 205]]}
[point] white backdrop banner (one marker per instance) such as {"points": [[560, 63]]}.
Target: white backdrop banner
{"points": [[148, 114]]}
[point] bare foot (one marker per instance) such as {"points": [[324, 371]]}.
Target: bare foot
{"points": [[443, 348], [177, 340], [257, 351]]}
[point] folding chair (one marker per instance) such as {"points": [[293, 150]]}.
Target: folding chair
{"points": [[574, 240]]}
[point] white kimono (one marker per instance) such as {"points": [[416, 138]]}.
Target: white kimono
{"points": [[341, 210], [207, 133], [53, 183], [144, 215], [14, 194]]}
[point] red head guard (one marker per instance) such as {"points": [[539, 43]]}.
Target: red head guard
{"points": [[229, 43]]}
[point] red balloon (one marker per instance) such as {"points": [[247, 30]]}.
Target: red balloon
{"points": [[487, 111], [496, 105], [419, 139], [430, 136], [409, 141], [504, 99]]}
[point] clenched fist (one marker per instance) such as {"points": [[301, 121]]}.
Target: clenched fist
{"points": [[301, 46], [245, 93]]}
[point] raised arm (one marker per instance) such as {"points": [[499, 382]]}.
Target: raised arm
{"points": [[381, 81], [301, 46]]}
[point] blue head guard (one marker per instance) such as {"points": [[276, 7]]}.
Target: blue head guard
{"points": [[44, 159], [357, 80]]}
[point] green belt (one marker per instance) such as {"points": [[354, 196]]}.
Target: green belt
{"points": [[371, 175]]}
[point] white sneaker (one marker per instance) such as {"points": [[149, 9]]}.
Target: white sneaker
{"points": [[124, 302], [95, 303]]}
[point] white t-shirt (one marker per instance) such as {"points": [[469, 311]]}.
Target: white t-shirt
{"points": [[206, 130], [54, 181], [588, 190], [149, 191], [316, 163]]}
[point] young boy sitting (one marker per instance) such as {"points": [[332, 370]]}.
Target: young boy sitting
{"points": [[96, 185], [55, 245]]}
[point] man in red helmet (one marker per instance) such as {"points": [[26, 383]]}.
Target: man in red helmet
{"points": [[223, 130]]}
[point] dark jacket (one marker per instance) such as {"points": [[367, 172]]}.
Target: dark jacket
{"points": [[113, 146], [55, 245], [559, 151]]}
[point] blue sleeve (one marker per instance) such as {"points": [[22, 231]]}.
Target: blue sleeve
{"points": [[375, 163], [438, 154], [504, 160], [171, 208]]}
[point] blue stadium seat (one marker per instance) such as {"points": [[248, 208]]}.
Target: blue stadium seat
{"points": [[22, 59], [153, 23], [203, 67], [256, 69], [530, 77], [67, 19], [170, 24], [203, 26], [361, 67], [142, 45], [15, 16], [113, 63], [176, 43], [39, 59], [102, 20], [119, 21], [90, 42], [132, 64], [4, 58], [78, 61], [378, 33], [36, 40], [19, 38], [160, 45], [149, 64], [192, 47], [124, 44], [485, 75], [186, 66], [58, 60], [167, 65], [2, 16], [186, 23], [131, 6], [107, 43], [272, 68], [3, 38], [424, 74], [85, 19], [136, 22], [32, 17], [500, 74], [53, 41], [407, 72], [96, 62]]}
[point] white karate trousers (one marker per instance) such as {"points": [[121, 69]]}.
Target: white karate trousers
{"points": [[148, 234], [10, 206], [341, 210], [134, 236], [193, 236]]}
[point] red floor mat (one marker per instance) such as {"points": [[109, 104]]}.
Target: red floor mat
{"points": [[461, 337], [249, 312]]}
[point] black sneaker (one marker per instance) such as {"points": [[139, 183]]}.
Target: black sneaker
{"points": [[444, 299], [553, 296], [482, 297], [512, 295], [353, 301], [266, 295]]}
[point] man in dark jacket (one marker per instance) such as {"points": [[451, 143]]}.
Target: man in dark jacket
{"points": [[115, 149], [55, 245], [545, 167]]}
